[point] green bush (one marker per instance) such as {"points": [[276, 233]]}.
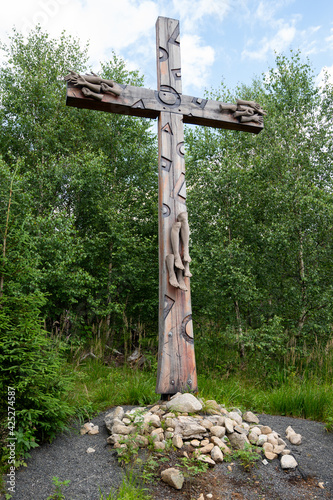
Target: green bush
{"points": [[32, 365]]}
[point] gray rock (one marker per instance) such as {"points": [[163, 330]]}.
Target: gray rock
{"points": [[217, 431], [216, 454], [109, 418], [238, 440], [173, 478], [288, 462], [250, 417], [185, 403]]}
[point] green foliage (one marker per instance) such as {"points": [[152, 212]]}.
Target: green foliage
{"points": [[58, 487], [247, 457], [130, 489], [192, 466], [32, 365]]}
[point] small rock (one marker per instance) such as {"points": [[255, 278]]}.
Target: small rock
{"points": [[293, 438], [266, 430], [201, 497], [177, 441], [184, 403], [288, 462], [209, 495], [195, 443], [207, 460], [207, 423], [91, 450], [109, 418], [207, 449], [250, 417], [94, 430], [173, 477], [159, 446], [122, 429], [229, 426], [216, 454], [86, 428], [235, 416], [262, 439], [217, 431], [270, 455], [238, 440], [157, 434]]}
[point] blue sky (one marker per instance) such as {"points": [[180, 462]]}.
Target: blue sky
{"points": [[221, 40]]}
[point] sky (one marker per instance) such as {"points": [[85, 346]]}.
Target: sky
{"points": [[229, 41]]}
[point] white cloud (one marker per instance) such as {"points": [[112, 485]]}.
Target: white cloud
{"points": [[106, 24], [192, 11], [196, 61], [266, 46]]}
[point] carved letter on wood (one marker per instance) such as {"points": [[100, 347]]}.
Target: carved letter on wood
{"points": [[176, 361]]}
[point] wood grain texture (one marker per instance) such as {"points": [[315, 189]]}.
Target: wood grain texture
{"points": [[176, 357], [147, 103]]}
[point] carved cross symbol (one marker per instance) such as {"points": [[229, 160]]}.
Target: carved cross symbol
{"points": [[176, 359]]}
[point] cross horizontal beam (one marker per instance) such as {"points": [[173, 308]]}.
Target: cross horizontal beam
{"points": [[147, 103]]}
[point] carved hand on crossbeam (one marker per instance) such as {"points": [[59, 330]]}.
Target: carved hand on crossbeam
{"points": [[246, 111], [179, 267], [93, 85]]}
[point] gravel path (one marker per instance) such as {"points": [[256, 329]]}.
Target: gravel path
{"points": [[67, 458]]}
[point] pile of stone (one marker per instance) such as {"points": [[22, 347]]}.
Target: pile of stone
{"points": [[209, 436]]}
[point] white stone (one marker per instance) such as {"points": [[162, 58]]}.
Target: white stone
{"points": [[262, 439], [188, 427], [265, 429], [250, 417], [86, 428], [177, 441], [217, 441], [288, 462], [229, 426], [184, 403], [109, 418], [216, 454], [216, 420], [121, 429], [94, 430], [217, 431], [173, 478], [157, 434], [152, 420], [208, 460], [293, 438], [253, 437], [195, 443], [159, 445], [207, 423], [206, 449], [91, 450], [238, 440], [235, 416]]}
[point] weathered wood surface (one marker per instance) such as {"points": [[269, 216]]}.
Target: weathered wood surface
{"points": [[176, 358], [147, 103]]}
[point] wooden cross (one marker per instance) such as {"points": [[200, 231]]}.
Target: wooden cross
{"points": [[176, 360]]}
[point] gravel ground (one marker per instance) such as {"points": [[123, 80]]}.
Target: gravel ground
{"points": [[66, 458]]}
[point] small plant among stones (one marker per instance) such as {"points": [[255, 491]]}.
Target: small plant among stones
{"points": [[248, 457], [192, 466], [58, 485]]}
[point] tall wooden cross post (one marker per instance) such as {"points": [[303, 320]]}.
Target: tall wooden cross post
{"points": [[176, 360]]}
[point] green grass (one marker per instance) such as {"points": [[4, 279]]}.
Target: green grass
{"points": [[130, 489]]}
